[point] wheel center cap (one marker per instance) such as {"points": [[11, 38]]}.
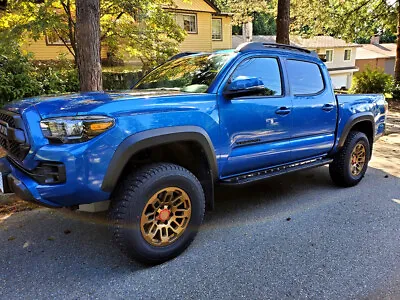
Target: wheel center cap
{"points": [[164, 214]]}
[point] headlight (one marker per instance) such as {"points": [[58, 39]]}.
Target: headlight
{"points": [[75, 129]]}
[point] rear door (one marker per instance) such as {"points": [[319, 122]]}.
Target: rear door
{"points": [[314, 109]]}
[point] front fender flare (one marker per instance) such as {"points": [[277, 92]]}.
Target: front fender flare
{"points": [[155, 137]]}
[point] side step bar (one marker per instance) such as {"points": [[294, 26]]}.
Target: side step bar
{"points": [[271, 172]]}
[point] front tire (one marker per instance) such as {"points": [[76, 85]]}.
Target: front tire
{"points": [[156, 212], [351, 162]]}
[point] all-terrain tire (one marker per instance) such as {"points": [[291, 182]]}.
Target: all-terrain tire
{"points": [[132, 196], [340, 168]]}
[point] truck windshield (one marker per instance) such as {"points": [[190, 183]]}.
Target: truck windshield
{"points": [[192, 74]]}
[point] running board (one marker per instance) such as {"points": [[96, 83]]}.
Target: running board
{"points": [[271, 172]]}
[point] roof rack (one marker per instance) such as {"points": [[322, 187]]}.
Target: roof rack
{"points": [[251, 46]]}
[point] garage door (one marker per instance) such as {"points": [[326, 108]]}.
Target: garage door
{"points": [[339, 81]]}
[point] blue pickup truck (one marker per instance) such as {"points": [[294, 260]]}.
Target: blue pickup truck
{"points": [[157, 151]]}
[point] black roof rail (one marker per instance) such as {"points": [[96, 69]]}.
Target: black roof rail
{"points": [[251, 46]]}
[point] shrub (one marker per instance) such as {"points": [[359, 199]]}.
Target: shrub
{"points": [[372, 81], [21, 77], [57, 76], [17, 78], [396, 92], [120, 80]]}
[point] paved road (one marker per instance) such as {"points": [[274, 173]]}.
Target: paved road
{"points": [[296, 236]]}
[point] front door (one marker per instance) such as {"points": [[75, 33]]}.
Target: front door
{"points": [[258, 127]]}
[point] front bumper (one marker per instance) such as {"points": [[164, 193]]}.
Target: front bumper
{"points": [[83, 167]]}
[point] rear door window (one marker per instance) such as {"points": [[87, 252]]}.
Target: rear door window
{"points": [[305, 78]]}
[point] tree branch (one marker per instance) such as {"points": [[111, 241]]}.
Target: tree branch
{"points": [[110, 27]]}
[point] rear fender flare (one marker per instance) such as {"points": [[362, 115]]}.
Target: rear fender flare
{"points": [[353, 120]]}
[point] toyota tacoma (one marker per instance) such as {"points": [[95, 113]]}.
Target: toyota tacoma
{"points": [[157, 151]]}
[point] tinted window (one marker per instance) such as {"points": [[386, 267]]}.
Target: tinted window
{"points": [[305, 78], [266, 69]]}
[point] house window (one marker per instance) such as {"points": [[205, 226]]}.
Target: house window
{"points": [[187, 22], [347, 54], [217, 29], [329, 55], [52, 38]]}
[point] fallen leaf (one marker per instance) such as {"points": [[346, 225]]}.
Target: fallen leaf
{"points": [[11, 238]]}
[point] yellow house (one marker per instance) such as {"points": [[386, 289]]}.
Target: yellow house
{"points": [[207, 28]]}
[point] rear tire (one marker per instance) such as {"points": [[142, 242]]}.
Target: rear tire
{"points": [[351, 162], [148, 224]]}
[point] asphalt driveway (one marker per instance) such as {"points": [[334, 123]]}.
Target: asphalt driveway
{"points": [[294, 236]]}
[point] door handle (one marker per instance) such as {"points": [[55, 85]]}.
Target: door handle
{"points": [[328, 107], [283, 111]]}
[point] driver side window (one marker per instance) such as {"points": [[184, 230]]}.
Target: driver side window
{"points": [[264, 68]]}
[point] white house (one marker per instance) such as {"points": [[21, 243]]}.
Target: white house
{"points": [[340, 56]]}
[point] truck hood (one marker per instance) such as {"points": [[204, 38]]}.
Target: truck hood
{"points": [[73, 104]]}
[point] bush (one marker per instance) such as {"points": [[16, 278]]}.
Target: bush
{"points": [[120, 80], [57, 76], [21, 77], [396, 92], [17, 79], [372, 82]]}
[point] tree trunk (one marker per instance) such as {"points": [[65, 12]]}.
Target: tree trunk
{"points": [[88, 44], [283, 22], [397, 65]]}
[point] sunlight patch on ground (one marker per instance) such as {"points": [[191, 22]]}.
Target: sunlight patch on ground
{"points": [[386, 154]]}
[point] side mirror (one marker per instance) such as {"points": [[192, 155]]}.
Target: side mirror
{"points": [[244, 86]]}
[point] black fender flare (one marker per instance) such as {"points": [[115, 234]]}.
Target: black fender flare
{"points": [[353, 120], [155, 137]]}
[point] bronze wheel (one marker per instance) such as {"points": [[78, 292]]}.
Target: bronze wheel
{"points": [[357, 159], [351, 162], [165, 216]]}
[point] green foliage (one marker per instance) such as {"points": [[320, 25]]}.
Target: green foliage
{"points": [[396, 92], [17, 78], [372, 81], [120, 80], [244, 10], [350, 20], [22, 77], [57, 76], [138, 28], [264, 24]]}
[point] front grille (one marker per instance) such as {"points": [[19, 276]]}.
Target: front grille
{"points": [[12, 135]]}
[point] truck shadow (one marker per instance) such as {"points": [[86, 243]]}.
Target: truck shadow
{"points": [[59, 241]]}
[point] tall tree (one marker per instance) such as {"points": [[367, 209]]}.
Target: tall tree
{"points": [[283, 22], [88, 44]]}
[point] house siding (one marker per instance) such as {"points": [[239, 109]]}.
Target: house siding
{"points": [[200, 41], [42, 51], [386, 64], [194, 5], [338, 58]]}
